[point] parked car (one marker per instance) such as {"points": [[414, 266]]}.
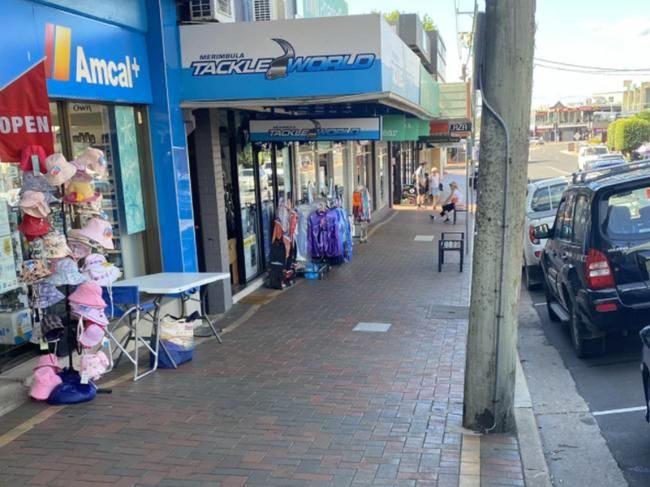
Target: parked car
{"points": [[645, 368], [588, 153], [542, 200], [608, 160], [596, 263], [536, 140]]}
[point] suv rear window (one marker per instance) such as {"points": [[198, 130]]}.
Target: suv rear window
{"points": [[625, 215], [595, 151], [547, 198]]}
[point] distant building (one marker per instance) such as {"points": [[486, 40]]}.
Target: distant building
{"points": [[260, 10], [562, 122], [324, 8], [636, 98]]}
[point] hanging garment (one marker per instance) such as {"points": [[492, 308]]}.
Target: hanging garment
{"points": [[303, 213], [318, 235]]}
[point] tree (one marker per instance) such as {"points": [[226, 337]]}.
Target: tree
{"points": [[611, 135], [630, 133], [428, 23], [644, 115]]}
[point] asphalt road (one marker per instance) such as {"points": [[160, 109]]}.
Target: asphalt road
{"points": [[550, 161], [608, 383]]}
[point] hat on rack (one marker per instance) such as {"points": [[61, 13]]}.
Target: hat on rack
{"points": [[66, 272], [48, 360], [94, 365], [98, 270], [93, 159], [33, 227], [33, 271], [72, 392], [33, 203], [46, 295], [81, 175], [92, 335], [31, 154], [35, 182], [99, 231], [78, 191], [88, 294], [59, 171], [52, 328], [56, 246], [90, 314], [45, 381]]}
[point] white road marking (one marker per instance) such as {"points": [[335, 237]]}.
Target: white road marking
{"points": [[618, 411], [541, 304]]}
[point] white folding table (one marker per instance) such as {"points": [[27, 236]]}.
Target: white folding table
{"points": [[174, 284]]}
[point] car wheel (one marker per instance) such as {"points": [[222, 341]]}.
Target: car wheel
{"points": [[584, 347], [549, 300], [530, 284]]}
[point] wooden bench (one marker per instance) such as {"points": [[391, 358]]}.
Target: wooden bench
{"points": [[451, 242], [459, 209]]}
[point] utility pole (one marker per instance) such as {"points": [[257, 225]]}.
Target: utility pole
{"points": [[506, 81]]}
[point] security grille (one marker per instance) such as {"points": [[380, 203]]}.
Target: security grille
{"points": [[262, 9]]}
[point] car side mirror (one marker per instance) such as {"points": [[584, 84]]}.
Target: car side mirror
{"points": [[542, 231], [645, 336]]}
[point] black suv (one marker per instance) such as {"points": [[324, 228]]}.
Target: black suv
{"points": [[596, 262]]}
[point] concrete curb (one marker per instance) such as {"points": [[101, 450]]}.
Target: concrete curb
{"points": [[533, 461]]}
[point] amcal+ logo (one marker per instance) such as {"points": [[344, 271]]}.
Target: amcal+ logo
{"points": [[88, 69]]}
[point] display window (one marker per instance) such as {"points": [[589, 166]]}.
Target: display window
{"points": [[306, 172], [382, 175], [362, 159], [86, 201]]}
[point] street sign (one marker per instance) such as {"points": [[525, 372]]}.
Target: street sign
{"points": [[460, 127]]}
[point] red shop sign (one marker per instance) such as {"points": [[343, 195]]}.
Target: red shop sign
{"points": [[25, 114], [438, 127]]}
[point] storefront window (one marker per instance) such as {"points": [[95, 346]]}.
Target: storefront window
{"points": [[264, 158], [324, 168], [56, 126], [362, 164], [90, 126], [248, 209], [338, 171], [283, 165], [306, 171], [382, 167]]}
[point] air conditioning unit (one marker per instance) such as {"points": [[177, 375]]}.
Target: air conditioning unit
{"points": [[219, 10]]}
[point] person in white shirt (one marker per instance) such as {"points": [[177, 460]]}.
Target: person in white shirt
{"points": [[434, 189], [455, 198]]}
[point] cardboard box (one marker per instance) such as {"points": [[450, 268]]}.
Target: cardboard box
{"points": [[15, 327]]}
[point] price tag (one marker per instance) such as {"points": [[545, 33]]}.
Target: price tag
{"points": [[85, 378], [35, 165], [105, 342], [43, 345]]}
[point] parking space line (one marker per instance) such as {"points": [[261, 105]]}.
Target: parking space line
{"points": [[618, 411], [540, 304]]}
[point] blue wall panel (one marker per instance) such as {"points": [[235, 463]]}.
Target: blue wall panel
{"points": [[128, 13]]}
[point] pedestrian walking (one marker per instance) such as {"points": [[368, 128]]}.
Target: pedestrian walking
{"points": [[455, 198], [421, 181], [434, 190]]}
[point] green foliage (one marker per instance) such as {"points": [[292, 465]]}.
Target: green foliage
{"points": [[644, 115], [630, 133], [611, 135], [428, 23]]}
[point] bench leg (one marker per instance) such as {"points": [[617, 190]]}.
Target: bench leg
{"points": [[462, 254]]}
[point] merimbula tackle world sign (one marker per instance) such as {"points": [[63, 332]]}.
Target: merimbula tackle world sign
{"points": [[307, 57]]}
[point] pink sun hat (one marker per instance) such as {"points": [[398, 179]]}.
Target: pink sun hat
{"points": [[99, 231], [97, 269], [92, 335], [45, 380], [94, 364], [92, 159], [89, 313], [48, 360], [88, 294], [33, 203], [59, 171]]}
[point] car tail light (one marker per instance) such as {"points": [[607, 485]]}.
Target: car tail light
{"points": [[531, 235], [599, 272], [605, 307]]}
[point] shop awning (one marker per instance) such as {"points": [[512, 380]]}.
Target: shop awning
{"points": [[288, 63]]}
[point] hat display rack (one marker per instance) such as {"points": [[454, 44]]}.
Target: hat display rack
{"points": [[67, 233]]}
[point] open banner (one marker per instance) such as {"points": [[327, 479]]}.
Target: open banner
{"points": [[25, 114]]}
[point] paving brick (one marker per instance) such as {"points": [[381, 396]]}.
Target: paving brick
{"points": [[293, 397]]}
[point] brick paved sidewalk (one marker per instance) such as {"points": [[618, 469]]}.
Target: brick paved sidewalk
{"points": [[294, 396]]}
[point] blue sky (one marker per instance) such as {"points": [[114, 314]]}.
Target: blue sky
{"points": [[596, 33]]}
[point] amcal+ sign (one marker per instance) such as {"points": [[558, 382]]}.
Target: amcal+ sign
{"points": [[88, 69]]}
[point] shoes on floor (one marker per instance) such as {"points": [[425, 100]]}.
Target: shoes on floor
{"points": [[447, 220]]}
